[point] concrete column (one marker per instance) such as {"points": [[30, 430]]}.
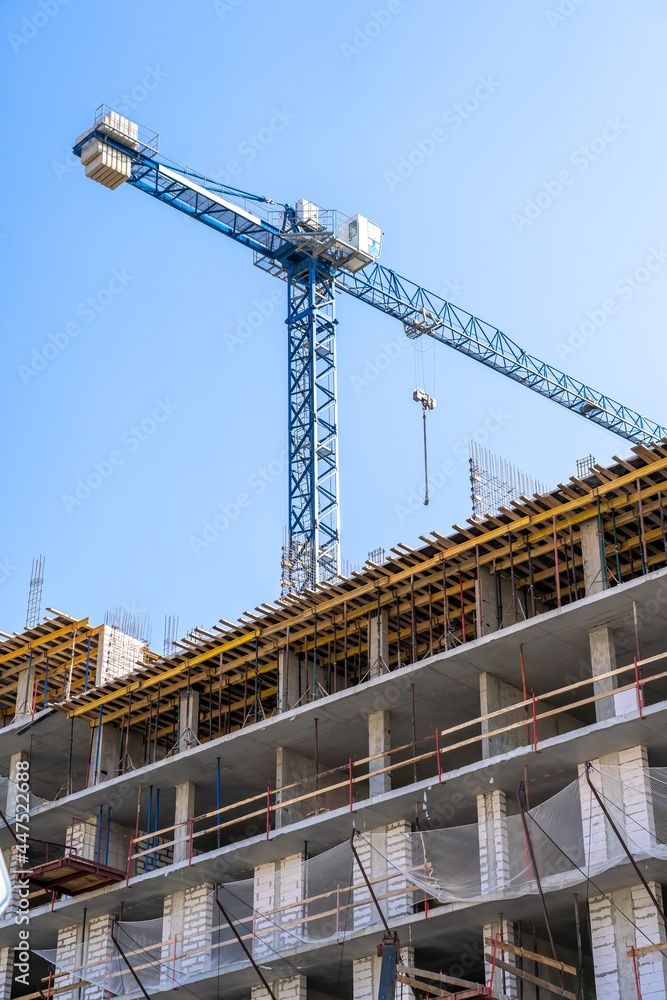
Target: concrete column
{"points": [[366, 975], [293, 767], [378, 643], [188, 719], [6, 972], [15, 773], [288, 680], [589, 534], [494, 861], [379, 739], [612, 936], [495, 694], [485, 602], [105, 753], [25, 693], [603, 659], [68, 955], [294, 988], [99, 949], [504, 982], [185, 808], [496, 606]]}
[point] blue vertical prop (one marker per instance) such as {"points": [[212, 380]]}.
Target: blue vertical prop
{"points": [[87, 663], [155, 826], [217, 796], [106, 850]]}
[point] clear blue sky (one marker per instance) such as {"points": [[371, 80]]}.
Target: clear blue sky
{"points": [[322, 100]]}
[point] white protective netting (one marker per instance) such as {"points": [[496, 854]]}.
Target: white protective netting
{"points": [[292, 904]]}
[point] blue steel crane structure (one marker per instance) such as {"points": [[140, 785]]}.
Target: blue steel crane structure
{"points": [[319, 253]]}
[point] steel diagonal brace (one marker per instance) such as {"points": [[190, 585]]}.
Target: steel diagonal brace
{"points": [[368, 884], [520, 798], [127, 962], [243, 945], [625, 847]]}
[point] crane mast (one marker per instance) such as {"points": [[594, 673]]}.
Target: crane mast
{"points": [[319, 253]]}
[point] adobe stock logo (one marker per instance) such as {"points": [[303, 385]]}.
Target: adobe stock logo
{"points": [[130, 440]]}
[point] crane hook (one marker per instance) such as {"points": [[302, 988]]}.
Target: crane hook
{"points": [[428, 403]]}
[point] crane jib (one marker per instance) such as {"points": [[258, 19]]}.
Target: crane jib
{"points": [[319, 252]]}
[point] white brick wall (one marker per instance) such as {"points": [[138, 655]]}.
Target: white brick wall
{"points": [[503, 981], [187, 933], [99, 950], [68, 952], [293, 888], [366, 976], [294, 988], [613, 935], [494, 862], [637, 799], [365, 914], [399, 853], [627, 796], [651, 968], [264, 941], [198, 929], [6, 972]]}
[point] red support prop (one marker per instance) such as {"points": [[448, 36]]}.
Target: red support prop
{"points": [[534, 724], [639, 692], [463, 614], [129, 861], [634, 965], [493, 961], [525, 695], [192, 820], [556, 567], [34, 699], [268, 811], [437, 751], [351, 790]]}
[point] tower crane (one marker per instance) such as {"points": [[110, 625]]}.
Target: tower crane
{"points": [[319, 253]]}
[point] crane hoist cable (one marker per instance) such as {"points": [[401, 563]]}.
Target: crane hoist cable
{"points": [[428, 403]]}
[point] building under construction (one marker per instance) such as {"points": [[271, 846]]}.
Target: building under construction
{"points": [[463, 745]]}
